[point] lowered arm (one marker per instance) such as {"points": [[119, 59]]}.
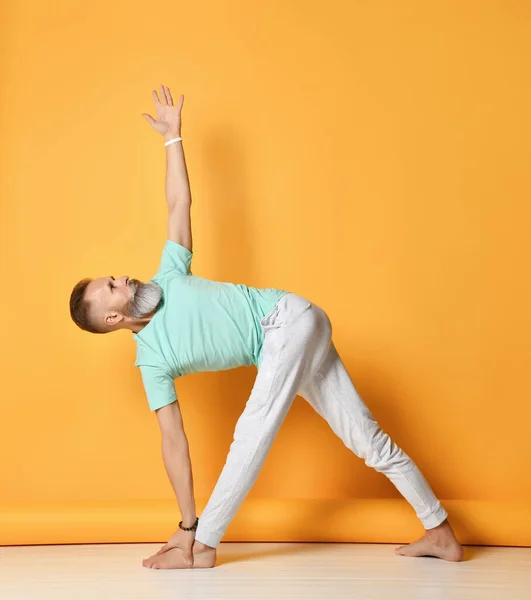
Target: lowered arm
{"points": [[176, 457]]}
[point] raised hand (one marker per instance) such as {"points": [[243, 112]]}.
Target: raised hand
{"points": [[168, 119]]}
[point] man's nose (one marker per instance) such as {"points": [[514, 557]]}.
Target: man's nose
{"points": [[126, 279]]}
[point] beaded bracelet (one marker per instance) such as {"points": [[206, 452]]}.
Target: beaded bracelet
{"points": [[192, 528]]}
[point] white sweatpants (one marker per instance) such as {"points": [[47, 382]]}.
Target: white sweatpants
{"points": [[299, 358]]}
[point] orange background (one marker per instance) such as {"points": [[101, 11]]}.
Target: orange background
{"points": [[373, 157]]}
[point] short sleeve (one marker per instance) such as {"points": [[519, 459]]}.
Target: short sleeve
{"points": [[175, 258], [158, 385]]}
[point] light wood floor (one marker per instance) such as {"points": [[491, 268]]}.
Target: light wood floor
{"points": [[263, 570]]}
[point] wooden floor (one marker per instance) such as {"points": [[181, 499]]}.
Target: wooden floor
{"points": [[263, 570]]}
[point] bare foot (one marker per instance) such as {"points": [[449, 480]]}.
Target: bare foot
{"points": [[439, 542], [204, 557]]}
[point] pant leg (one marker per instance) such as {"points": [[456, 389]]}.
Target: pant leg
{"points": [[332, 394], [297, 336]]}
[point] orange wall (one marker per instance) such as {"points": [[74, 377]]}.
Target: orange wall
{"points": [[371, 157]]}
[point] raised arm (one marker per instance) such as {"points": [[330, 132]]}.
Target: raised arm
{"points": [[178, 195]]}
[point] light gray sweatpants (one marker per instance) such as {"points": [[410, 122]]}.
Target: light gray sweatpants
{"points": [[299, 358]]}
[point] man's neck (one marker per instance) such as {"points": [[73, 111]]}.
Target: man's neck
{"points": [[139, 324]]}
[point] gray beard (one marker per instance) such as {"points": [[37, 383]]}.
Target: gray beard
{"points": [[146, 299]]}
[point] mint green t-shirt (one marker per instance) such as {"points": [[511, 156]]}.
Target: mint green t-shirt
{"points": [[200, 325]]}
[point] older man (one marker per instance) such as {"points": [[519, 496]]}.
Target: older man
{"points": [[183, 323]]}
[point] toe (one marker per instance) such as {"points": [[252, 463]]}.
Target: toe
{"points": [[161, 562], [148, 562]]}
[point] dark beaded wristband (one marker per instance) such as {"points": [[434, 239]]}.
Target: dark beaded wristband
{"points": [[192, 528]]}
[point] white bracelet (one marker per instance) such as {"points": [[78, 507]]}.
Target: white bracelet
{"points": [[177, 139]]}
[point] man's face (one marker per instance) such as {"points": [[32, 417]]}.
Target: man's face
{"points": [[116, 300]]}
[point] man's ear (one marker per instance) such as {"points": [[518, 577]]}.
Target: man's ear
{"points": [[113, 318]]}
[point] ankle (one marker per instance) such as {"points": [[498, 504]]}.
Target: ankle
{"points": [[442, 532], [200, 546]]}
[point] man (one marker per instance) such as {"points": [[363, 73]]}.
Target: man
{"points": [[183, 323]]}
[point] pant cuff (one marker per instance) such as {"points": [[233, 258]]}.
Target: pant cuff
{"points": [[210, 539], [435, 518]]}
